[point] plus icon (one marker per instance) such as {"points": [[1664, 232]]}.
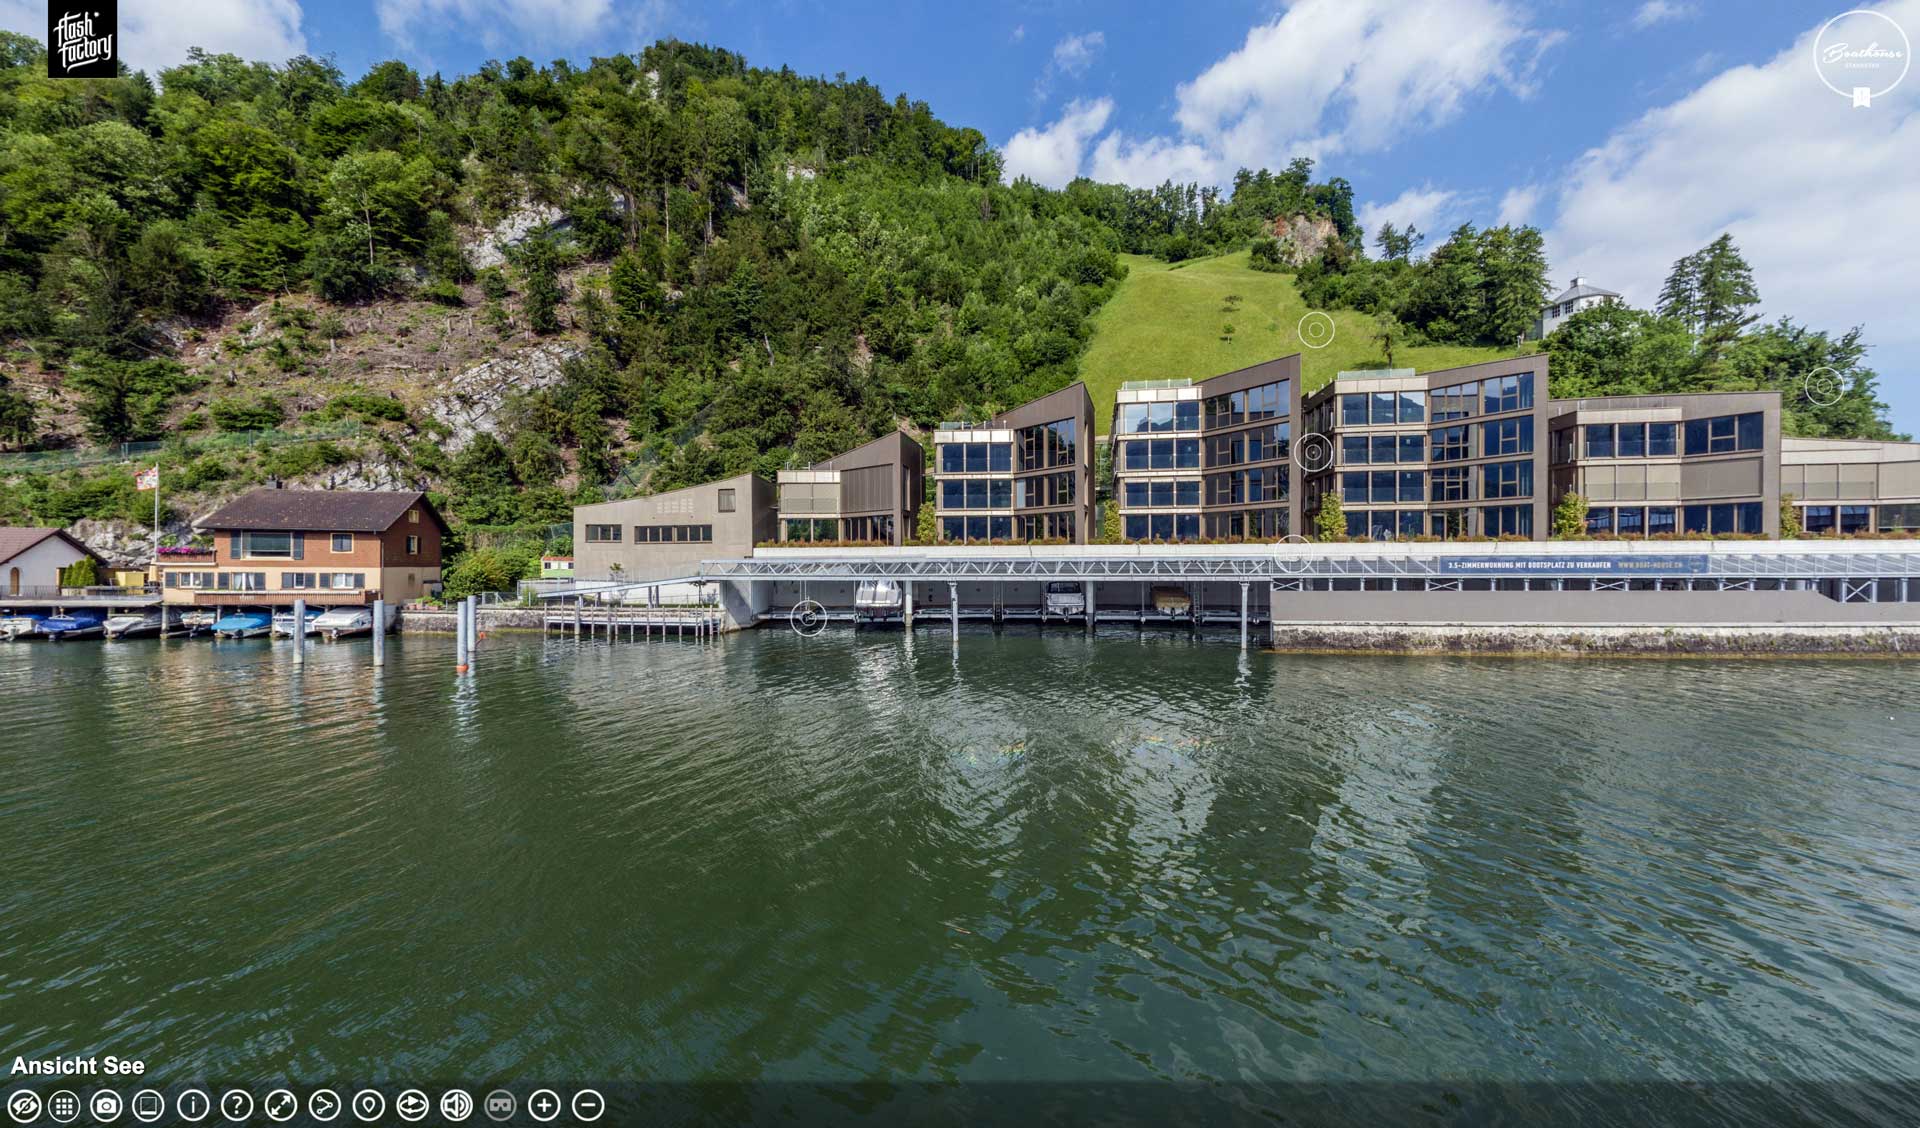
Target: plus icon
{"points": [[544, 1105]]}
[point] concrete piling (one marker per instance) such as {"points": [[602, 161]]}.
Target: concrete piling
{"points": [[1243, 614], [379, 632], [460, 637], [299, 631]]}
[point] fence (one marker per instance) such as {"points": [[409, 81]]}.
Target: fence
{"points": [[42, 461]]}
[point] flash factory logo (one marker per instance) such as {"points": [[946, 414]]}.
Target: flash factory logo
{"points": [[80, 41]]}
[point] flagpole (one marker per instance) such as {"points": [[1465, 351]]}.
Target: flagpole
{"points": [[156, 518]]}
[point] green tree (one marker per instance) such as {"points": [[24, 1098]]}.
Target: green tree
{"points": [[540, 296], [1330, 521], [125, 400], [1570, 516], [1790, 518]]}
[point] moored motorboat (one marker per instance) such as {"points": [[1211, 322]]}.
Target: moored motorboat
{"points": [[22, 626], [135, 625], [76, 624], [283, 623], [193, 623], [243, 624], [341, 622]]}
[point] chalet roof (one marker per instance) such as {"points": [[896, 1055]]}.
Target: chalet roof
{"points": [[1581, 288], [345, 511], [14, 541]]}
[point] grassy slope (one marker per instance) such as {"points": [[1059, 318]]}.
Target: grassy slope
{"points": [[1165, 322]]}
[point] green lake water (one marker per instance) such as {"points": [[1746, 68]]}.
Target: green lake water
{"points": [[1025, 863]]}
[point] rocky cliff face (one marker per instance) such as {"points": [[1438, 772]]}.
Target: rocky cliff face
{"points": [[472, 401], [1303, 237]]}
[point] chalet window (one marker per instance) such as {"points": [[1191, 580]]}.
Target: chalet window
{"points": [[413, 516], [413, 545], [266, 544], [296, 580], [726, 501], [343, 542]]}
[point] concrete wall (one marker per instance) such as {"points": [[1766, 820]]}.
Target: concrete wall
{"points": [[734, 533], [1653, 608]]}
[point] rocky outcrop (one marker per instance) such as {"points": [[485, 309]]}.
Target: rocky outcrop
{"points": [[1303, 237], [473, 401], [123, 544], [484, 249]]}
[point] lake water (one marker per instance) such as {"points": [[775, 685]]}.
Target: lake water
{"points": [[1024, 868]]}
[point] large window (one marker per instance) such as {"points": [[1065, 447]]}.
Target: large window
{"points": [[266, 544], [975, 458], [1898, 518], [1353, 410], [1355, 449], [1384, 407], [1507, 436], [1456, 401], [1161, 454], [1162, 493], [1413, 448], [1724, 434], [1660, 520], [342, 542], [1633, 440], [1507, 393], [1450, 443], [1413, 407], [1507, 520], [1507, 479], [1268, 400], [1599, 440], [603, 534], [673, 534], [1452, 483], [1660, 439], [1727, 517]]}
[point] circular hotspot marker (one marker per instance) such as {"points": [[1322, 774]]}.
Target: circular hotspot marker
{"points": [[1822, 387], [1291, 565], [807, 618], [1849, 57], [1315, 330], [1315, 453]]}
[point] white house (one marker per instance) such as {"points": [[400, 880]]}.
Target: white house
{"points": [[1577, 297], [31, 559]]}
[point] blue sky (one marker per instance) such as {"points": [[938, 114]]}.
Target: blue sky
{"points": [[1630, 132]]}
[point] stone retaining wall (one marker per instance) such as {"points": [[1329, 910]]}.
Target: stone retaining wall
{"points": [[491, 619], [1759, 640]]}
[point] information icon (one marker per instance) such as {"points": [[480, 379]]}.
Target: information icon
{"points": [[194, 1105]]}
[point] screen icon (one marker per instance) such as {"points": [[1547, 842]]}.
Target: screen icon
{"points": [[455, 1105], [499, 1105], [194, 1104], [236, 1105], [149, 1106], [588, 1104], [281, 1105], [412, 1105], [64, 1107], [544, 1105], [369, 1105], [24, 1107], [105, 1106], [323, 1104]]}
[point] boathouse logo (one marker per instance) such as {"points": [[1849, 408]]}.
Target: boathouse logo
{"points": [[1862, 55], [82, 41]]}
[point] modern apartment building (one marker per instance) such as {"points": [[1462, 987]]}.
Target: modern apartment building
{"points": [[1705, 463], [871, 493], [1208, 459], [1450, 453], [667, 534], [1024, 475], [1852, 485]]}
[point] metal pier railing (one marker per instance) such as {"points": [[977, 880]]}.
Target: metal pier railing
{"points": [[639, 623]]}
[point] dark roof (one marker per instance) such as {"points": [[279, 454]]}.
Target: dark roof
{"points": [[345, 511], [14, 541]]}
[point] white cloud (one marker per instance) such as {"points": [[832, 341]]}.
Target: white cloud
{"points": [[1052, 156], [1074, 54], [499, 23], [1663, 11], [1019, 32], [155, 34], [1426, 208], [1818, 194], [1330, 76], [1519, 204]]}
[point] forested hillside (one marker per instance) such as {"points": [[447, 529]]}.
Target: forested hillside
{"points": [[535, 285]]}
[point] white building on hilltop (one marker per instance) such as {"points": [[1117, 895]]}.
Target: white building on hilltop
{"points": [[1577, 297]]}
